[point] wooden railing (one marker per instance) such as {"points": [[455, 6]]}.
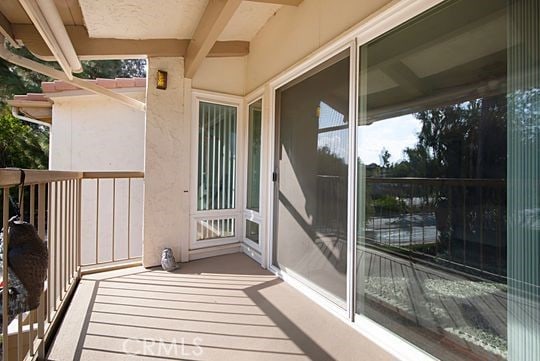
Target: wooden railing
{"points": [[454, 222], [59, 205]]}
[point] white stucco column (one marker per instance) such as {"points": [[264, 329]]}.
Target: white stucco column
{"points": [[167, 163]]}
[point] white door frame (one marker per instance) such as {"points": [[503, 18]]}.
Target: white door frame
{"points": [[248, 214], [236, 213]]}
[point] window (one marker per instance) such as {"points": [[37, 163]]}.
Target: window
{"points": [[447, 133], [252, 231], [216, 157], [254, 156], [215, 219]]}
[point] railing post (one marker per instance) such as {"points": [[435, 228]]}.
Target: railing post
{"points": [[41, 233], [97, 221], [32, 315], [113, 217], [129, 220], [49, 249], [57, 247], [79, 207], [20, 316], [5, 219]]}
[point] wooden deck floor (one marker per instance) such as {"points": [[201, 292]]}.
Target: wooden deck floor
{"points": [[457, 311], [220, 308]]}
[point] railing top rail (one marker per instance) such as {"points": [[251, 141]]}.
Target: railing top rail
{"points": [[11, 177], [439, 181], [113, 174]]}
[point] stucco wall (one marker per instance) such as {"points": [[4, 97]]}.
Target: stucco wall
{"points": [[167, 159], [93, 133], [295, 32], [222, 75]]}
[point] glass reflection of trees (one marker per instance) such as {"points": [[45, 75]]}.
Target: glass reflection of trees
{"points": [[445, 200]]}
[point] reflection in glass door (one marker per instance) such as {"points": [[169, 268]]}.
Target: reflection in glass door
{"points": [[434, 159], [310, 238]]}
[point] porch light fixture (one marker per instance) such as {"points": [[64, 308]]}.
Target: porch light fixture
{"points": [[45, 17], [161, 80]]}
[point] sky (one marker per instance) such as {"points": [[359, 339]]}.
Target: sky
{"points": [[394, 134]]}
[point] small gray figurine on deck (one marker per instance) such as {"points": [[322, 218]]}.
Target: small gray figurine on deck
{"points": [[168, 263]]}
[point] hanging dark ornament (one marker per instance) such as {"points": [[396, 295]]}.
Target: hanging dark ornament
{"points": [[27, 268]]}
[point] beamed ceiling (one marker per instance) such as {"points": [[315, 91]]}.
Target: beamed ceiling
{"points": [[108, 29]]}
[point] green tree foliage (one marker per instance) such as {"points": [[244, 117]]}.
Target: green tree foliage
{"points": [[22, 145], [16, 80], [110, 69], [466, 140]]}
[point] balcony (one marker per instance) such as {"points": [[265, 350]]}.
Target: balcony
{"points": [[95, 307], [219, 308]]}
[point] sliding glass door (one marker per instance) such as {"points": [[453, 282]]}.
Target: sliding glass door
{"points": [[310, 240], [448, 169], [447, 180]]}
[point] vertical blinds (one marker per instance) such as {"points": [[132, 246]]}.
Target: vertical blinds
{"points": [[216, 157], [524, 180]]}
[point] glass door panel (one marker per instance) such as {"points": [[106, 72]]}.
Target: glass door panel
{"points": [[216, 217], [310, 238], [252, 215], [432, 168], [254, 156]]}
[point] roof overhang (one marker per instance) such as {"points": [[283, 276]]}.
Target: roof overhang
{"points": [[37, 107], [70, 30], [101, 29], [34, 108]]}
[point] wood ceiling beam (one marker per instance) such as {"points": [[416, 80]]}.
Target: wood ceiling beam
{"points": [[96, 48], [405, 77], [223, 49], [7, 30], [211, 25], [279, 2]]}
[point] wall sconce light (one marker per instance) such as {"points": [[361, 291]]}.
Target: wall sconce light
{"points": [[161, 80]]}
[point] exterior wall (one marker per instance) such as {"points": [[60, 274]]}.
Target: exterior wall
{"points": [[223, 75], [295, 32], [94, 133], [167, 159]]}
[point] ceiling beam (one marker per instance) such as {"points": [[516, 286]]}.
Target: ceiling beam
{"points": [[99, 48], [405, 77], [223, 49], [279, 2], [7, 31], [212, 23]]}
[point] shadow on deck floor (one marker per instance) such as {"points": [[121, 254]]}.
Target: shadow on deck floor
{"points": [[220, 308]]}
